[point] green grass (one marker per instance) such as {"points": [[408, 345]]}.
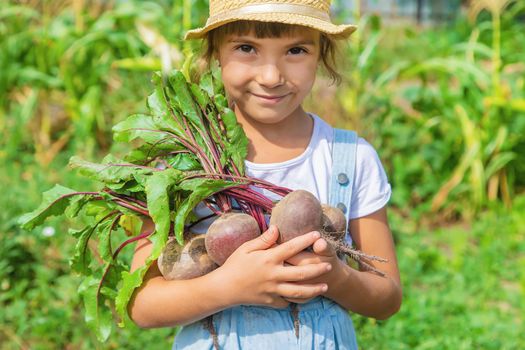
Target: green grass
{"points": [[464, 286]]}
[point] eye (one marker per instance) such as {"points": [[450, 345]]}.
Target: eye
{"points": [[297, 50], [245, 48]]}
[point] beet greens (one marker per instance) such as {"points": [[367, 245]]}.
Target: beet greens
{"points": [[191, 149]]}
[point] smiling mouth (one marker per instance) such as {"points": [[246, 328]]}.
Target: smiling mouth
{"points": [[270, 98]]}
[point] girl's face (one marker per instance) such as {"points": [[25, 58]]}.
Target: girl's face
{"points": [[269, 78]]}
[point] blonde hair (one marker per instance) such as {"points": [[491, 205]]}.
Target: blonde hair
{"points": [[328, 46]]}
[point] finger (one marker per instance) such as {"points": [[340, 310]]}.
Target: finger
{"points": [[264, 241], [301, 291], [303, 273], [303, 258], [322, 247], [292, 247]]}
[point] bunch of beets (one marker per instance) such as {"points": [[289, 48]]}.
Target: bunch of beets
{"points": [[188, 150]]}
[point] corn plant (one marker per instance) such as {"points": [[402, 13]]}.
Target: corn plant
{"points": [[64, 68], [448, 125]]}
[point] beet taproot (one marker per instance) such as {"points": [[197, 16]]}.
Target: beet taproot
{"points": [[333, 221], [191, 260], [296, 214], [228, 233]]}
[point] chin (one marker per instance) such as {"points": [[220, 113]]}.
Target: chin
{"points": [[269, 117]]}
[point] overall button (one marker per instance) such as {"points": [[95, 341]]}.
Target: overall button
{"points": [[342, 179], [342, 207]]}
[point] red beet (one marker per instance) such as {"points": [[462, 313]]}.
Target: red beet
{"points": [[185, 262], [228, 233], [300, 212], [333, 221], [296, 214]]}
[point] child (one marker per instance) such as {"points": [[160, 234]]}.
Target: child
{"points": [[269, 52]]}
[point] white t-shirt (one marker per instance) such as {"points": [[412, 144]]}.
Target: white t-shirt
{"points": [[312, 171]]}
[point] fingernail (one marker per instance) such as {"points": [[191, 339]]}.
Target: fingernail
{"points": [[328, 267], [324, 288], [316, 234]]}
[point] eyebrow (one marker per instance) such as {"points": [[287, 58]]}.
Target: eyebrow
{"points": [[248, 41]]}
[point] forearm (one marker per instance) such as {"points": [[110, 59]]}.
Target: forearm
{"points": [[163, 303], [366, 293]]}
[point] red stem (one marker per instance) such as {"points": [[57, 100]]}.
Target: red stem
{"points": [[205, 162], [131, 207], [256, 182], [129, 241], [125, 197]]}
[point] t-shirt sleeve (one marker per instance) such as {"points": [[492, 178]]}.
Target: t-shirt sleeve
{"points": [[371, 190]]}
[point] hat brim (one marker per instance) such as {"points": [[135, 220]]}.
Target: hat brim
{"points": [[339, 31]]}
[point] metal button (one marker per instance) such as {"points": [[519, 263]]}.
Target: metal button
{"points": [[342, 207], [342, 179]]}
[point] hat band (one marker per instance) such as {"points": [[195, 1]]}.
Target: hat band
{"points": [[271, 8]]}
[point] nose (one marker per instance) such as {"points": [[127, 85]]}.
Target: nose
{"points": [[270, 76]]}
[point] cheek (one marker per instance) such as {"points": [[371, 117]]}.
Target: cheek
{"points": [[234, 78], [304, 78]]}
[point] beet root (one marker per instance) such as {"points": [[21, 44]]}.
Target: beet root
{"points": [[228, 233], [178, 262], [297, 213], [334, 221], [300, 212]]}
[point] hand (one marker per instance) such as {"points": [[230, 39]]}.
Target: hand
{"points": [[323, 252], [255, 274]]}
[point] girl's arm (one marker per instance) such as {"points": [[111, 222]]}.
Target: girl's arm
{"points": [[365, 293], [254, 274]]}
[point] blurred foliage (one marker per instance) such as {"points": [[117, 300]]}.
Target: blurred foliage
{"points": [[444, 106], [464, 286], [455, 96]]}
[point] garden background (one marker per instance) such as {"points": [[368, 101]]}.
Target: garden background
{"points": [[442, 101]]}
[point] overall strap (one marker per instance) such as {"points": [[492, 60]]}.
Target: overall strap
{"points": [[344, 149]]}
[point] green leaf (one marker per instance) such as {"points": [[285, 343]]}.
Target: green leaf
{"points": [[158, 188], [146, 153], [98, 319], [54, 202], [81, 259], [98, 209], [221, 102], [112, 171], [218, 86], [184, 100], [130, 281], [200, 96], [104, 240], [76, 205], [140, 126], [165, 115], [184, 162], [131, 224], [237, 147], [211, 114], [211, 82], [206, 83]]}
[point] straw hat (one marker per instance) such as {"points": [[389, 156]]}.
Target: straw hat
{"points": [[309, 13]]}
